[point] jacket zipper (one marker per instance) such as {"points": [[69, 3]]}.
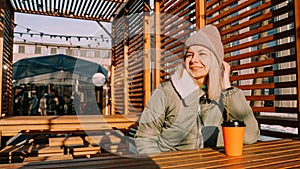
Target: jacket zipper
{"points": [[199, 125]]}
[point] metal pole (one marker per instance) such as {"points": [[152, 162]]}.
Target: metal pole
{"points": [[108, 33]]}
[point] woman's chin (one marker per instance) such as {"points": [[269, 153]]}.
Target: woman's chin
{"points": [[197, 75]]}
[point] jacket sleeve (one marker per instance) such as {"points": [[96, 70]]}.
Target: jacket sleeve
{"points": [[151, 123], [240, 110]]}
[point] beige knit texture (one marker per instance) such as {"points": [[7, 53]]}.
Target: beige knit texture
{"points": [[209, 37]]}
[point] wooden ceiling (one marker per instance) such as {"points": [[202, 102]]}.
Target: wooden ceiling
{"points": [[98, 10]]}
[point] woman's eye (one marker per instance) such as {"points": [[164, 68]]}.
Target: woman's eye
{"points": [[202, 54], [189, 55]]}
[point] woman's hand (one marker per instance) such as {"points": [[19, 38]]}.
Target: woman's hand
{"points": [[226, 74]]}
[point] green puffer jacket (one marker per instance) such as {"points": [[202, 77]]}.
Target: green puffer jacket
{"points": [[172, 119]]}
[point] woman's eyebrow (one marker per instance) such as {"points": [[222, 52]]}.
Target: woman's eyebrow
{"points": [[201, 50]]}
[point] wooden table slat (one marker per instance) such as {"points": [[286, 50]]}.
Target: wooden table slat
{"points": [[270, 154]]}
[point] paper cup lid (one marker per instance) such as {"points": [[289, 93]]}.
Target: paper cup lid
{"points": [[233, 123]]}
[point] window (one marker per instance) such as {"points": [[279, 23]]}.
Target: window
{"points": [[97, 54], [83, 53], [69, 52], [237, 82], [270, 91], [21, 49], [38, 50], [53, 50]]}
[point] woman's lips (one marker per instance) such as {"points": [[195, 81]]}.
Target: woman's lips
{"points": [[196, 67]]}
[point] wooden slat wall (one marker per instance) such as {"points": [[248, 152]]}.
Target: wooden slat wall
{"points": [[129, 59], [176, 22], [297, 35], [259, 42], [117, 95], [136, 57], [6, 29]]}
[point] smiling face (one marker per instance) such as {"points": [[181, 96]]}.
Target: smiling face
{"points": [[197, 62]]}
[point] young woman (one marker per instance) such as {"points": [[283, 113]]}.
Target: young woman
{"points": [[187, 112]]}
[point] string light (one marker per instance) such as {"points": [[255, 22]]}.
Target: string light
{"points": [[32, 32], [37, 43], [41, 34]]}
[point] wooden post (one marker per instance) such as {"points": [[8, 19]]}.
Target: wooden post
{"points": [[2, 6], [126, 47], [1, 64], [157, 43], [297, 41], [126, 94], [112, 76], [147, 57], [112, 88], [200, 13]]}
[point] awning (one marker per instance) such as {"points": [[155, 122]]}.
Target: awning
{"points": [[58, 69]]}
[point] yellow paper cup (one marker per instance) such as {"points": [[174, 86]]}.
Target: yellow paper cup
{"points": [[233, 135]]}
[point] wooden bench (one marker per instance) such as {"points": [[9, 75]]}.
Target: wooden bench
{"points": [[14, 154], [112, 142], [10, 126], [65, 147], [82, 136], [48, 158]]}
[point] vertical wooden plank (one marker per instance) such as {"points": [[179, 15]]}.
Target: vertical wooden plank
{"points": [[147, 57], [112, 88], [126, 100], [1, 59], [1, 70], [126, 47], [1, 50], [8, 50], [200, 13], [112, 74], [157, 43], [1, 64], [297, 38]]}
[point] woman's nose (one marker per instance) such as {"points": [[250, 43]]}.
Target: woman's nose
{"points": [[195, 58]]}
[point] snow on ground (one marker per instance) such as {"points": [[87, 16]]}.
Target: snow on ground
{"points": [[277, 127]]}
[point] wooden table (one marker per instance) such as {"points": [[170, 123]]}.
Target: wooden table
{"points": [[269, 154], [10, 126]]}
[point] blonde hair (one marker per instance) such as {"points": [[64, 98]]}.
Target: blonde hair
{"points": [[215, 78]]}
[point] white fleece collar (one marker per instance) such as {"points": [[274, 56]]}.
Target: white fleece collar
{"points": [[184, 83]]}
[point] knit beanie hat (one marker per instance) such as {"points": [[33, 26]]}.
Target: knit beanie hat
{"points": [[209, 37]]}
